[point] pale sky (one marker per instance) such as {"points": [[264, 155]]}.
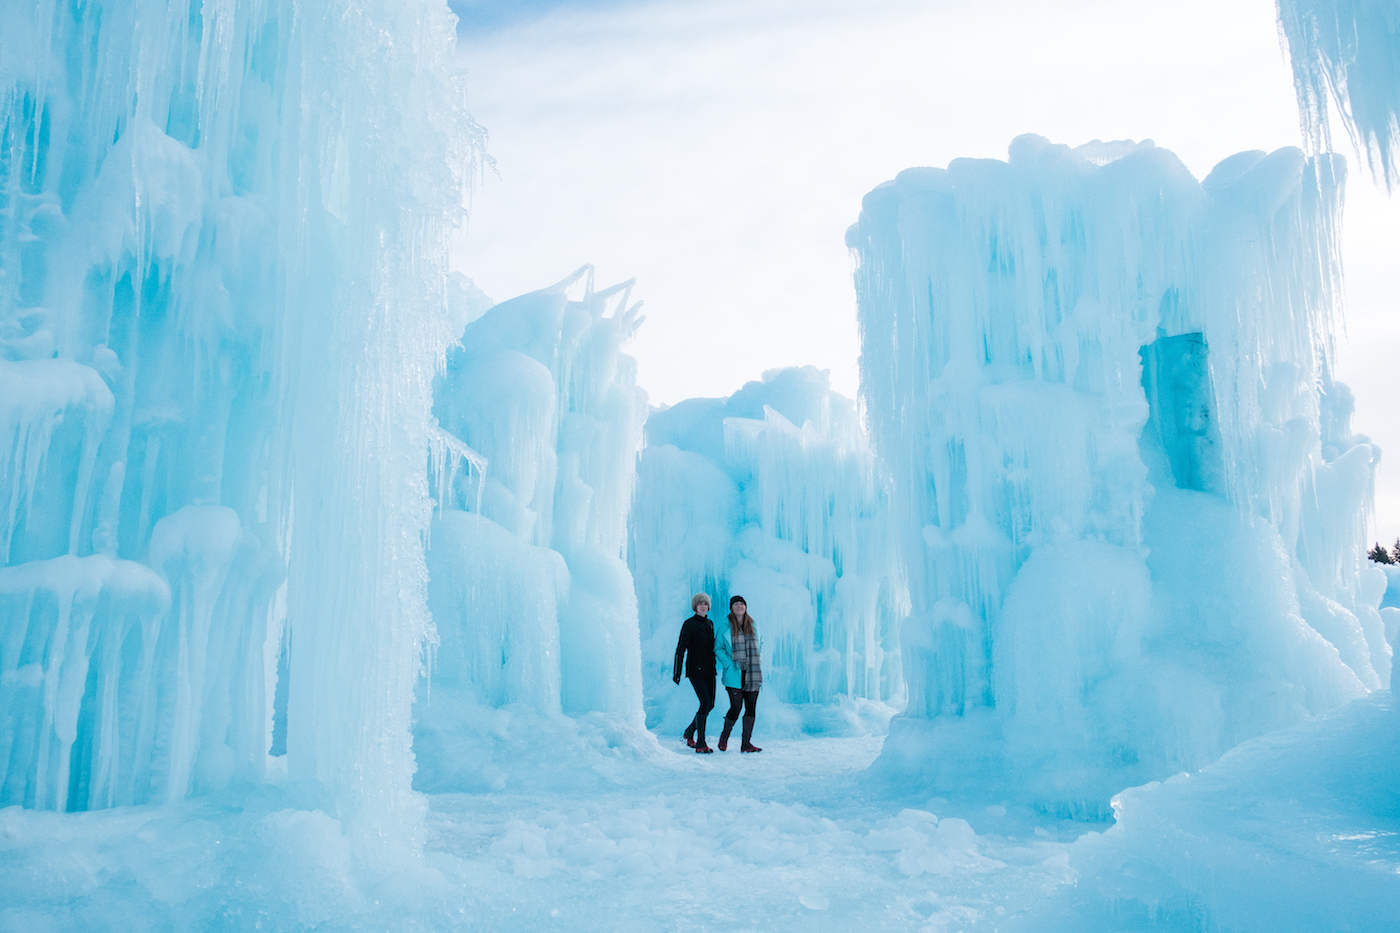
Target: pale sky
{"points": [[717, 151]]}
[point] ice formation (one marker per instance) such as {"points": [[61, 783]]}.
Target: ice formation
{"points": [[771, 494], [223, 297], [1348, 50], [1130, 502], [534, 605]]}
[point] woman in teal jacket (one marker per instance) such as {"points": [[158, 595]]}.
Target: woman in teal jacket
{"points": [[737, 650]]}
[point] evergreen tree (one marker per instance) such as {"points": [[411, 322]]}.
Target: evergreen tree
{"points": [[1381, 556]]}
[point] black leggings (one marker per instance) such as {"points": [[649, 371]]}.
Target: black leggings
{"points": [[745, 698], [705, 693]]}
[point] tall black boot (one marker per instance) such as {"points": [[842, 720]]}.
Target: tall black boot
{"points": [[700, 745], [746, 745], [724, 736]]}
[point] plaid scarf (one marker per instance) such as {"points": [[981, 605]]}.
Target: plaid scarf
{"points": [[746, 659]]}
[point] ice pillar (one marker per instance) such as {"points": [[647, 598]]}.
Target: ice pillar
{"points": [[223, 267], [1129, 498]]}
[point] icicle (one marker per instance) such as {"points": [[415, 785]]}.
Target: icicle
{"points": [[1348, 50]]}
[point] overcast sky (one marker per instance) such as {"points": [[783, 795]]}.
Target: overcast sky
{"points": [[718, 150]]}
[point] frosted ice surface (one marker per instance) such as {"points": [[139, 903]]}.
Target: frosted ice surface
{"points": [[1348, 51], [533, 603], [771, 494], [1113, 527], [1128, 496], [1239, 844], [223, 297]]}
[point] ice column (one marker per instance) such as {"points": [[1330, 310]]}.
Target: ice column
{"points": [[1348, 50], [1128, 495], [223, 298], [541, 417], [771, 494]]}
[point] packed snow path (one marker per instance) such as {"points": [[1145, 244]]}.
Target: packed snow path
{"points": [[788, 839], [582, 826]]}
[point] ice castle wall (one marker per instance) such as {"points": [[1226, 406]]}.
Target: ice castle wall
{"points": [[1348, 51], [223, 253], [771, 494], [541, 421], [1127, 491]]}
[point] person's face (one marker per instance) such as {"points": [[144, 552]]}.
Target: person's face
{"points": [[739, 609], [703, 609]]}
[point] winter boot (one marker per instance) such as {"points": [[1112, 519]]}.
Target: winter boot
{"points": [[746, 745], [689, 734], [724, 736]]}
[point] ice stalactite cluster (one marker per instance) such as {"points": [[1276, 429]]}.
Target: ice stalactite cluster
{"points": [[1348, 51], [771, 494], [1130, 502], [533, 602], [223, 298]]}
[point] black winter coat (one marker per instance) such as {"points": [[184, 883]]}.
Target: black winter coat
{"points": [[697, 648]]}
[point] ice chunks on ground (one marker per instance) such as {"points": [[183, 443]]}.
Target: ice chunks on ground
{"points": [[771, 494], [588, 829], [1127, 492]]}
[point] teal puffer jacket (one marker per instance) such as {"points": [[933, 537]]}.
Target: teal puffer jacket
{"points": [[729, 674]]}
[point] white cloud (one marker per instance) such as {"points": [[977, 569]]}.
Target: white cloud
{"points": [[717, 151]]}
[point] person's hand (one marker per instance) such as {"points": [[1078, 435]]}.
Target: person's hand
{"points": [[676, 681]]}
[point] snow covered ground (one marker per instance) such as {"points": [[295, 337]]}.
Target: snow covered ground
{"points": [[594, 828]]}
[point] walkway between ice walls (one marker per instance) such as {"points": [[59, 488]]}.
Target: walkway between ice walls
{"points": [[270, 472], [271, 475]]}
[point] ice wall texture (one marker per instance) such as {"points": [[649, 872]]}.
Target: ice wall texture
{"points": [[1348, 51], [1129, 498], [771, 494], [541, 420], [223, 250]]}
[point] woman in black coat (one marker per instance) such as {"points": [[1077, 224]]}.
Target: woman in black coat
{"points": [[695, 654]]}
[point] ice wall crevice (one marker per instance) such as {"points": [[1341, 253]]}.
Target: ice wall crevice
{"points": [[1088, 379]]}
